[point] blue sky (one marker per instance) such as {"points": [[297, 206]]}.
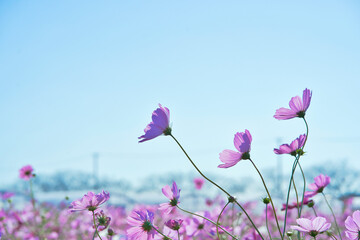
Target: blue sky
{"points": [[78, 77]]}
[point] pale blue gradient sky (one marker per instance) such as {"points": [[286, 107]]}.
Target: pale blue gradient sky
{"points": [[78, 77]]}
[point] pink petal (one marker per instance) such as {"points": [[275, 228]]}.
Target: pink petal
{"points": [[325, 227], [352, 235], [300, 229], [160, 118], [350, 224], [306, 99], [237, 141], [356, 218], [296, 104], [313, 186], [305, 223], [229, 157], [246, 141], [317, 223], [151, 131], [284, 114], [167, 192]]}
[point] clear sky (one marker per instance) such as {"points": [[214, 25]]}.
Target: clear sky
{"points": [[78, 77]]}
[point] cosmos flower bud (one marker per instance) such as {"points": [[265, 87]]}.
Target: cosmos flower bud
{"points": [[311, 204], [266, 200], [232, 199], [174, 224]]}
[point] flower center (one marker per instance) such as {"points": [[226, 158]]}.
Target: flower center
{"points": [[28, 173], [313, 233], [91, 208], [147, 226], [245, 155], [201, 226], [301, 114], [173, 202], [167, 131], [320, 190], [102, 221]]}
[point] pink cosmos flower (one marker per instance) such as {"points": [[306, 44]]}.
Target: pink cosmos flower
{"points": [[242, 143], [352, 225], [141, 225], [312, 227], [103, 221], [174, 224], [295, 204], [199, 182], [90, 201], [26, 172], [298, 107], [173, 194], [158, 126], [169, 233], [199, 226], [321, 182], [6, 195], [294, 148]]}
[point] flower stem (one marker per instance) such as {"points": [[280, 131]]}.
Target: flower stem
{"points": [[268, 193], [195, 214], [32, 194], [96, 231], [332, 212], [304, 188], [297, 197], [314, 211], [266, 220], [257, 230], [165, 237], [288, 192], [296, 161], [332, 235], [218, 219]]}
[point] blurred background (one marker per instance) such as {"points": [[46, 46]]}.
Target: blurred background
{"points": [[79, 81]]}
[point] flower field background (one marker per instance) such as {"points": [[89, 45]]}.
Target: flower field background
{"points": [[302, 214]]}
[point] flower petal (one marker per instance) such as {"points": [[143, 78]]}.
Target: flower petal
{"points": [[229, 157]]}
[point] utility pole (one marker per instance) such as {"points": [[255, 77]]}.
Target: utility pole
{"points": [[96, 170]]}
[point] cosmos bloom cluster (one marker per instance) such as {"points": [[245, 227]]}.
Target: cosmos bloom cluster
{"points": [[229, 158], [300, 216]]}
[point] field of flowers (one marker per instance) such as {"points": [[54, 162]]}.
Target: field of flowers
{"points": [[224, 217]]}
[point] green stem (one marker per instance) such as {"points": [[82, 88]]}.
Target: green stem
{"points": [[178, 234], [218, 219], [195, 214], [257, 230], [268, 193], [166, 237], [332, 235], [304, 188], [297, 197], [314, 211], [96, 231], [332, 212], [32, 194], [266, 220], [233, 217], [297, 158], [288, 192]]}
